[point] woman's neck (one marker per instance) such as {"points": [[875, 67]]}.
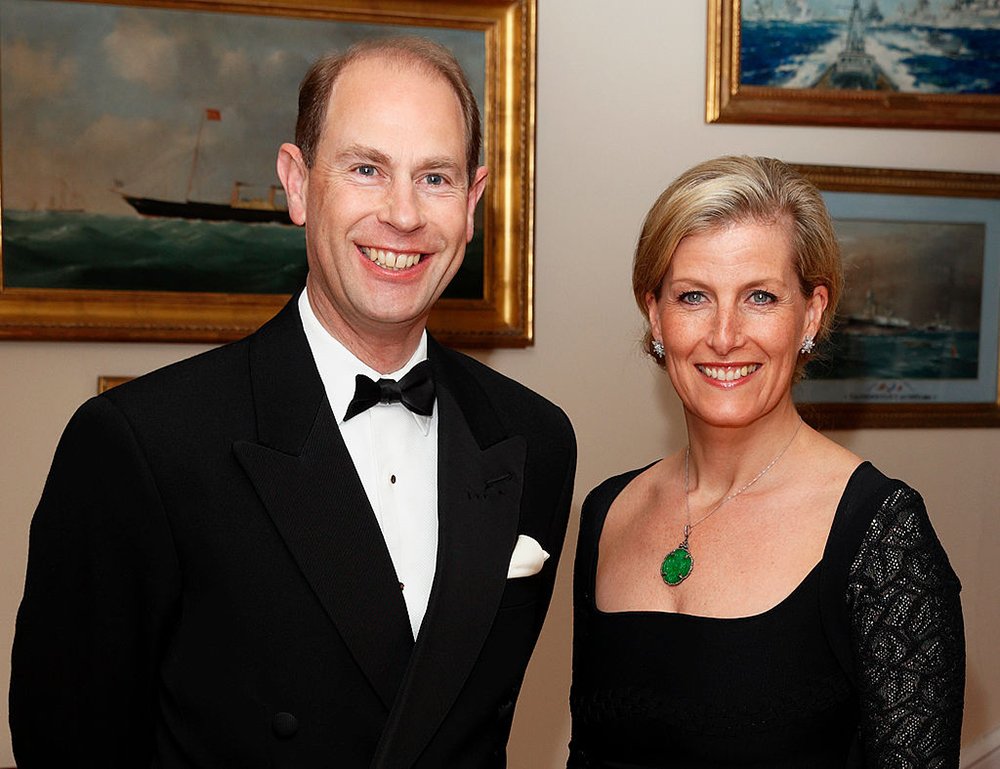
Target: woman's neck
{"points": [[724, 458]]}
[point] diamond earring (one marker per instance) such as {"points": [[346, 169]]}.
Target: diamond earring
{"points": [[807, 346], [658, 350]]}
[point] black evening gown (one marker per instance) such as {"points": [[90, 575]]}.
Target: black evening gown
{"points": [[862, 665]]}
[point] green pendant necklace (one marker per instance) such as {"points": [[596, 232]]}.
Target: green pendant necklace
{"points": [[678, 564]]}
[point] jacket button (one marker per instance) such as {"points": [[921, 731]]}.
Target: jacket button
{"points": [[284, 724]]}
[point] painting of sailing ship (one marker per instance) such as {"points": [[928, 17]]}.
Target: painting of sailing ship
{"points": [[239, 208], [907, 46], [139, 145]]}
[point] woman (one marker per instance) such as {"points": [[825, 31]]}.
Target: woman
{"points": [[762, 598]]}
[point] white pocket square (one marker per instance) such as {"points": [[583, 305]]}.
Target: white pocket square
{"points": [[527, 559]]}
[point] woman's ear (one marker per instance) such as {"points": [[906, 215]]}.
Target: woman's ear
{"points": [[653, 313], [815, 308]]}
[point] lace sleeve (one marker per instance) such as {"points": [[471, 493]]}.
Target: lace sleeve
{"points": [[908, 639]]}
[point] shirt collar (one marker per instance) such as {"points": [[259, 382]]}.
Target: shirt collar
{"points": [[338, 366]]}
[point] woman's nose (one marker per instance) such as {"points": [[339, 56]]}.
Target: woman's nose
{"points": [[726, 332]]}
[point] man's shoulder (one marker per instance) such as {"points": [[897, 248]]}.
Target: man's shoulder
{"points": [[206, 376], [224, 371]]}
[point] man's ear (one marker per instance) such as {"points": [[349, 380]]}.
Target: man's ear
{"points": [[295, 179], [475, 193]]}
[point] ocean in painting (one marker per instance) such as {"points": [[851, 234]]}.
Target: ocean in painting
{"points": [[71, 250], [906, 355], [916, 58], [78, 250]]}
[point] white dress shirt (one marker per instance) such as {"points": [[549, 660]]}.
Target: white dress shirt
{"points": [[395, 454]]}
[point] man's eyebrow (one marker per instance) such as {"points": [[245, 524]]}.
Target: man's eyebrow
{"points": [[361, 153], [442, 163]]}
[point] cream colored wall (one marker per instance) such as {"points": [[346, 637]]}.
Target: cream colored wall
{"points": [[620, 105]]}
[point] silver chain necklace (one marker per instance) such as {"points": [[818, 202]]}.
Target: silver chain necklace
{"points": [[678, 564]]}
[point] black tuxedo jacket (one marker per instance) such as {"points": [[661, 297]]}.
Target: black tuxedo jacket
{"points": [[207, 585]]}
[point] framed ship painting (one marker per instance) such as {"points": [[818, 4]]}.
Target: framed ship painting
{"points": [[139, 194], [893, 63], [915, 343]]}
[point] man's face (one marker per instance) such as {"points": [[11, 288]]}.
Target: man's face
{"points": [[387, 205]]}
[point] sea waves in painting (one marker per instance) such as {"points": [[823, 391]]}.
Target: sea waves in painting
{"points": [[79, 250], [909, 354], [929, 54]]}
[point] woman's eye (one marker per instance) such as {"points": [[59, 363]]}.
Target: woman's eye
{"points": [[692, 297], [762, 297]]}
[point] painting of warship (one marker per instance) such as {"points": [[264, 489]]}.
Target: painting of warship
{"points": [[906, 46], [917, 323], [924, 327]]}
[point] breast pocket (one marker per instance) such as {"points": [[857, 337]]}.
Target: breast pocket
{"points": [[522, 591]]}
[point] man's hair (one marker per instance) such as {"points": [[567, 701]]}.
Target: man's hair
{"points": [[737, 190], [426, 55]]}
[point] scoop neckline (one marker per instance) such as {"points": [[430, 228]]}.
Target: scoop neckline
{"points": [[592, 577], [688, 617]]}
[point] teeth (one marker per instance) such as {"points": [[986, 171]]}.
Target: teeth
{"points": [[728, 373], [390, 259]]}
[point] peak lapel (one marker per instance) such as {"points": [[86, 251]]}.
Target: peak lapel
{"points": [[303, 474], [479, 494]]}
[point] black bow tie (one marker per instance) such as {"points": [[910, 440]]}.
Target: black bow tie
{"points": [[415, 391]]}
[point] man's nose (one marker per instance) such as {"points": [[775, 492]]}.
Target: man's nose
{"points": [[402, 208]]}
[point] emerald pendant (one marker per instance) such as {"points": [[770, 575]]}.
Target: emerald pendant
{"points": [[677, 565]]}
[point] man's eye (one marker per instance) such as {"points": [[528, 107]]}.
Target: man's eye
{"points": [[366, 170], [692, 297], [762, 297], [434, 180]]}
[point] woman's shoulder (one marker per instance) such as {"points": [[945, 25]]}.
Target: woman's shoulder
{"points": [[611, 487], [599, 500], [894, 528], [882, 525], [869, 494], [863, 487]]}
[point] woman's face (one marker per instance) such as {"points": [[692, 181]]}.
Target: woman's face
{"points": [[732, 317]]}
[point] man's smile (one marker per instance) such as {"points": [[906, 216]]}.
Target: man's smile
{"points": [[392, 260]]}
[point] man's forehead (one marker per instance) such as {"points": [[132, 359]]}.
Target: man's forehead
{"points": [[370, 70], [374, 80]]}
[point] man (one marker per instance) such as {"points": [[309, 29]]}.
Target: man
{"points": [[237, 563]]}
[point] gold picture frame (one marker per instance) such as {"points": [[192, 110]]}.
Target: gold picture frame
{"points": [[731, 99], [927, 354], [105, 382], [498, 310]]}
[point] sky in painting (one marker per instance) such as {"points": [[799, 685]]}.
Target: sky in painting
{"points": [[96, 97], [841, 9], [836, 9], [942, 263]]}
